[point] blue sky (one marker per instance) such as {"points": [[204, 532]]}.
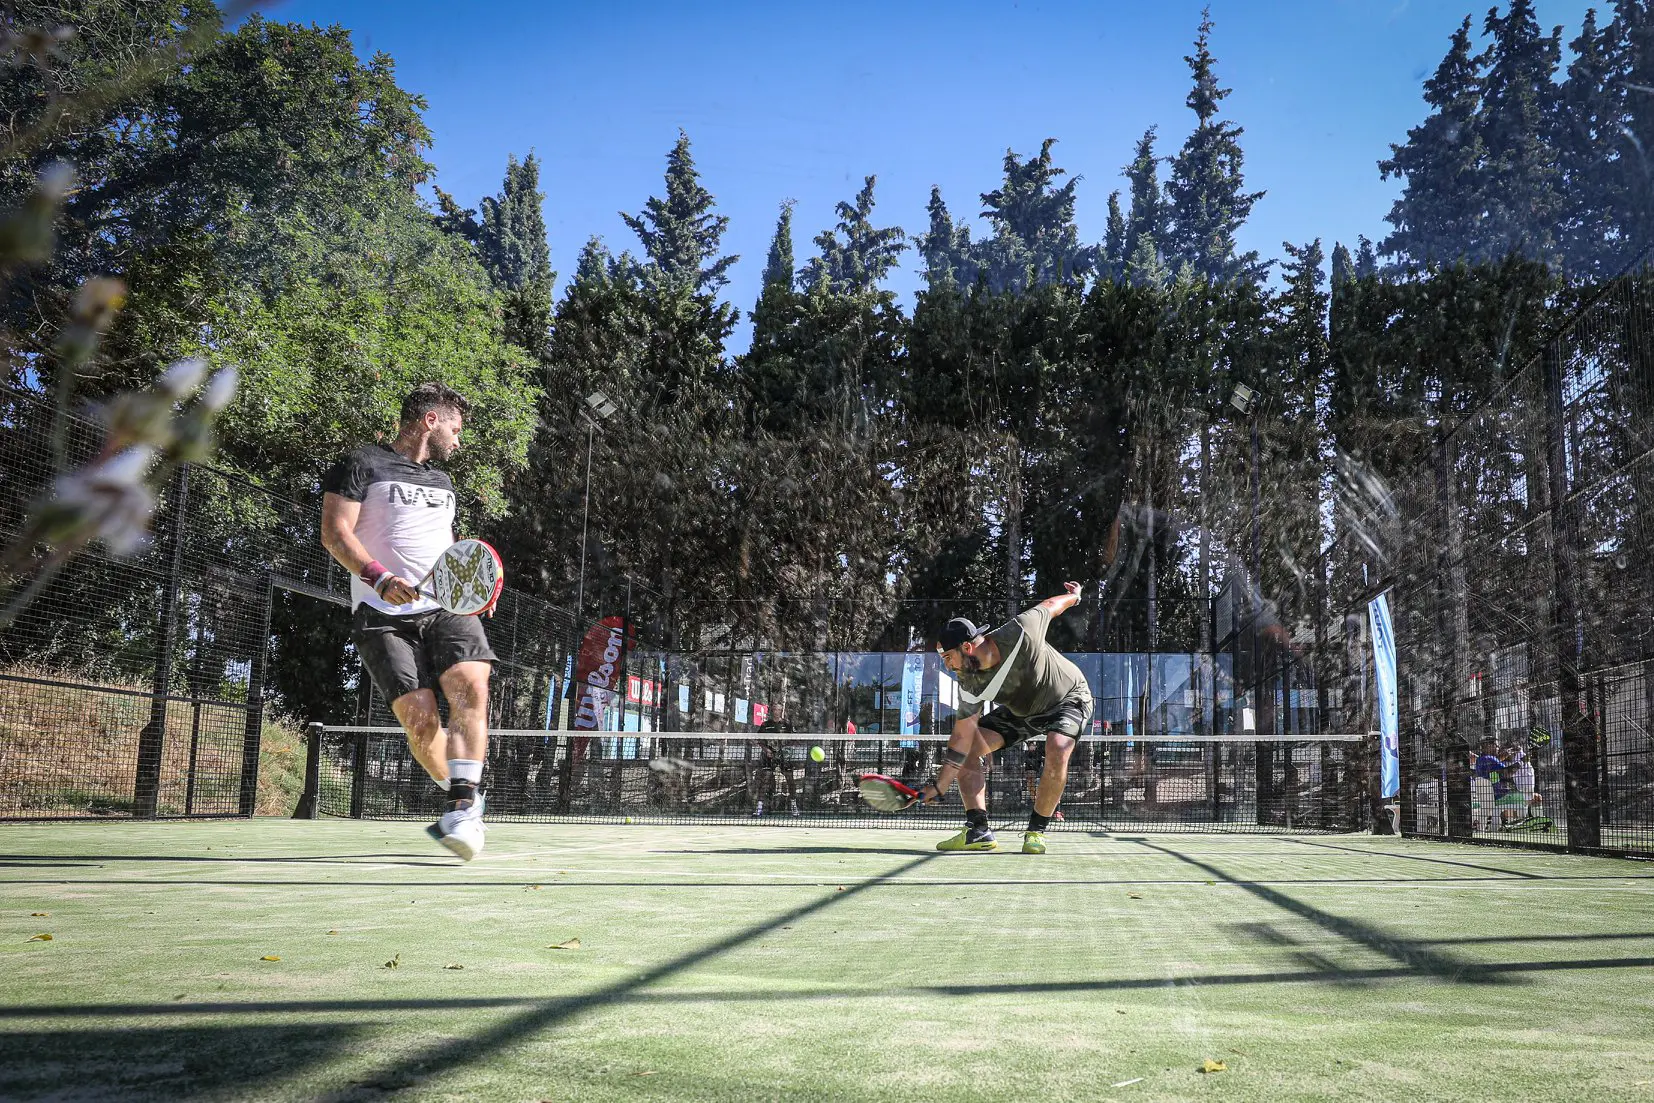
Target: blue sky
{"points": [[791, 101]]}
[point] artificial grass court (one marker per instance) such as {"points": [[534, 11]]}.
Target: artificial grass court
{"points": [[812, 963]]}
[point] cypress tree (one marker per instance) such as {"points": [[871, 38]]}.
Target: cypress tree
{"points": [[1207, 186], [1148, 210], [1439, 214], [511, 241], [857, 264], [1519, 110], [1035, 240], [1114, 240], [946, 249], [779, 269], [1589, 134], [680, 234]]}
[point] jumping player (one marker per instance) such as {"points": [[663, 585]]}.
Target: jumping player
{"points": [[387, 515], [1035, 690]]}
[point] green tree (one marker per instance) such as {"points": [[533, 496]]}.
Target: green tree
{"points": [[1114, 240], [680, 234], [1443, 162], [1034, 239], [859, 262], [1148, 214], [512, 242], [946, 249], [1207, 193], [1518, 121]]}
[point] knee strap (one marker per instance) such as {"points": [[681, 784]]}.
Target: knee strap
{"points": [[953, 757]]}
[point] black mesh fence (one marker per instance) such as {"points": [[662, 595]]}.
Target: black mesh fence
{"points": [[1524, 596]]}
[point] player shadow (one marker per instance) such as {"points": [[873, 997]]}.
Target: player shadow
{"points": [[1519, 873], [1415, 956], [170, 1062]]}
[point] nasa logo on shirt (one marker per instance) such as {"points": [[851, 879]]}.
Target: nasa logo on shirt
{"points": [[405, 494]]}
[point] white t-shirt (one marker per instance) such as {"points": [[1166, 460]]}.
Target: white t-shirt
{"points": [[407, 517]]}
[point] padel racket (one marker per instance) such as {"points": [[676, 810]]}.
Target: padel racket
{"points": [[467, 578], [886, 793]]}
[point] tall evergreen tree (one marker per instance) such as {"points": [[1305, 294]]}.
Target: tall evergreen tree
{"points": [[1034, 238], [779, 269], [680, 234], [1209, 202], [1439, 214], [1114, 240], [1519, 113], [946, 249], [1589, 144], [858, 263], [680, 280], [511, 240], [1147, 217]]}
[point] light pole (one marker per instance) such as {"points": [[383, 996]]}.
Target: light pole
{"points": [[599, 407]]}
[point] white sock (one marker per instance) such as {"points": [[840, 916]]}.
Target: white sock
{"points": [[465, 769], [441, 783]]}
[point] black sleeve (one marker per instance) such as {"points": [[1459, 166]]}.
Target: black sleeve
{"points": [[348, 478]]}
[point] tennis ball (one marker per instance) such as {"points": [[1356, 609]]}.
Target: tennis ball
{"points": [[628, 819], [817, 754]]}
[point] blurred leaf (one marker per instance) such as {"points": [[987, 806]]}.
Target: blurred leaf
{"points": [[41, 938], [571, 944], [1210, 1065]]}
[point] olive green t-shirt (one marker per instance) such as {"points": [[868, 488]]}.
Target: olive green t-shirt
{"points": [[1040, 676]]}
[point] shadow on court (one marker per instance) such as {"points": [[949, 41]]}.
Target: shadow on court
{"points": [[547, 1013], [1415, 956], [167, 1062], [1520, 873]]}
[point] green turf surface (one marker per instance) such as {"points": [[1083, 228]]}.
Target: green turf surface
{"points": [[795, 963]]}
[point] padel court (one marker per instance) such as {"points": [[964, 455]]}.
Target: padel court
{"points": [[343, 959]]}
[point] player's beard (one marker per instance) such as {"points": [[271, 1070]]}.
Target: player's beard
{"points": [[972, 663], [441, 447]]}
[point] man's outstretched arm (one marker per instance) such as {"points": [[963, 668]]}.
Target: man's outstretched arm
{"points": [[1064, 601]]}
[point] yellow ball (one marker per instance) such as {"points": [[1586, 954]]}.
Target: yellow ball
{"points": [[817, 754]]}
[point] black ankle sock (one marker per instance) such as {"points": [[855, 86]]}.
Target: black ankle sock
{"points": [[460, 791], [976, 818], [1037, 822]]}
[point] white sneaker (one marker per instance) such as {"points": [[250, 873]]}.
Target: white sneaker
{"points": [[461, 829]]}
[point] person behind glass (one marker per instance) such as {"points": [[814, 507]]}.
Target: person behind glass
{"points": [[387, 515], [772, 761]]}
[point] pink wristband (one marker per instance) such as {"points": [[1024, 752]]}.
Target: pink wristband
{"points": [[373, 573]]}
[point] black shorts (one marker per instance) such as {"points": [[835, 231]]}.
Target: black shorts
{"points": [[406, 653], [1071, 717]]}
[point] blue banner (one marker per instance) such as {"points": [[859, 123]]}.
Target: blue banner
{"points": [[1389, 720], [913, 684]]}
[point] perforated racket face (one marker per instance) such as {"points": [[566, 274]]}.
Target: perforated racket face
{"points": [[468, 578], [885, 794]]}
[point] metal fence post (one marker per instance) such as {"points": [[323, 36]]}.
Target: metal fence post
{"points": [[309, 798], [252, 738], [146, 781]]}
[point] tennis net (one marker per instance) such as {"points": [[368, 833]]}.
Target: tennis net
{"points": [[1244, 782]]}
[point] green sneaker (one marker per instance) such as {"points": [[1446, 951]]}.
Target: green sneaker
{"points": [[1033, 842], [969, 839]]}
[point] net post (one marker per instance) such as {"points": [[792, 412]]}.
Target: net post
{"points": [[359, 775], [308, 799]]}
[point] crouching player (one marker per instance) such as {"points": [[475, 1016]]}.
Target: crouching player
{"points": [[1035, 690]]}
